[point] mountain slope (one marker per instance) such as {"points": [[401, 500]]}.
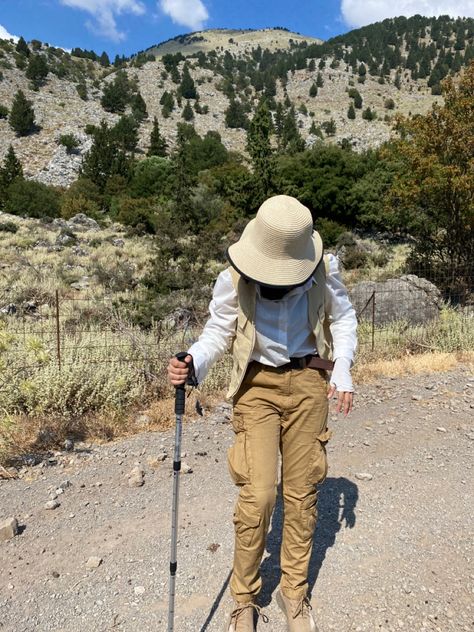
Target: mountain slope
{"points": [[394, 66]]}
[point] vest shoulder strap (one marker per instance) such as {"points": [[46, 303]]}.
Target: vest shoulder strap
{"points": [[235, 276]]}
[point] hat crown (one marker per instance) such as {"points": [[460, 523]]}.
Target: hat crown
{"points": [[283, 227]]}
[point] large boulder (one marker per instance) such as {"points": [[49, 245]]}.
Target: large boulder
{"points": [[409, 298]]}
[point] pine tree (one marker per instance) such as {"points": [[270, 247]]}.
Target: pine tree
{"points": [[187, 89], [104, 60], [259, 148], [188, 113], [319, 80], [329, 127], [125, 133], [312, 65], [105, 158], [292, 142], [117, 94], [355, 94], [158, 144], [351, 113], [37, 70], [22, 116], [9, 171], [313, 91], [167, 102], [235, 115], [22, 47], [139, 107]]}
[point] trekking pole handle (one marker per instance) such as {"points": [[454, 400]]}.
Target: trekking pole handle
{"points": [[180, 395]]}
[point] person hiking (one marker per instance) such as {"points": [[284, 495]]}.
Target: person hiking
{"points": [[282, 307]]}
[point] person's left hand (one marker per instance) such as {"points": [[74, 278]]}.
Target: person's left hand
{"points": [[344, 399]]}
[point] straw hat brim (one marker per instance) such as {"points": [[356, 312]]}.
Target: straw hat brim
{"points": [[274, 271]]}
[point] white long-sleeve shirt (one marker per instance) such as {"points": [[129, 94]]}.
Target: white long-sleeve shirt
{"points": [[282, 326]]}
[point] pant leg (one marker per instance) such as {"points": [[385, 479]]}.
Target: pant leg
{"points": [[253, 465], [304, 464]]}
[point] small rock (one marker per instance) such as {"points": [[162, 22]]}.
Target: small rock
{"points": [[8, 529], [55, 574], [69, 445], [185, 468], [364, 476], [441, 429], [52, 504], [135, 478], [139, 590], [94, 562], [65, 484]]}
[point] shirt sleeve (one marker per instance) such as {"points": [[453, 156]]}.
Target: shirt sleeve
{"points": [[341, 314], [219, 330]]}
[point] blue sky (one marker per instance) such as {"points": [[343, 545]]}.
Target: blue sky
{"points": [[126, 26]]}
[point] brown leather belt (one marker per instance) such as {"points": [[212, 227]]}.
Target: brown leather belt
{"points": [[308, 361]]}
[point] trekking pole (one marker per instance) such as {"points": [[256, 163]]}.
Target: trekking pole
{"points": [[179, 405]]}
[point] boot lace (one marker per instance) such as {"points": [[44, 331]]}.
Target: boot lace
{"points": [[303, 608], [240, 608]]}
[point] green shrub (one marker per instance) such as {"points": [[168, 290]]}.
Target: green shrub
{"points": [[8, 227], [28, 198], [3, 112], [82, 91], [72, 205], [329, 230], [69, 141]]}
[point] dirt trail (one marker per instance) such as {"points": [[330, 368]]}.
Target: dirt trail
{"points": [[391, 553]]}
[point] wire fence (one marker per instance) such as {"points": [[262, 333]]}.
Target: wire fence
{"points": [[397, 313]]}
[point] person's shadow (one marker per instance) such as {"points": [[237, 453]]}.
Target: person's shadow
{"points": [[337, 498]]}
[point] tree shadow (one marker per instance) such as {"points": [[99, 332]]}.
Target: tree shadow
{"points": [[337, 498]]}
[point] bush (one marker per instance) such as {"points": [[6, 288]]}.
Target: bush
{"points": [[329, 230], [138, 213], [69, 141], [72, 205], [152, 176], [22, 116], [28, 198], [355, 258], [82, 91], [3, 112], [8, 227], [389, 104]]}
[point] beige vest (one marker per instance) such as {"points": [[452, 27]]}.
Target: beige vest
{"points": [[244, 340]]}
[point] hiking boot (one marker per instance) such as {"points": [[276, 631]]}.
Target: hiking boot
{"points": [[298, 613], [242, 617]]}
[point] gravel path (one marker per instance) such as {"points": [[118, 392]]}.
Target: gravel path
{"points": [[393, 548]]}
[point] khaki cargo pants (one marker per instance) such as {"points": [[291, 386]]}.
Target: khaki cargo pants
{"points": [[285, 411]]}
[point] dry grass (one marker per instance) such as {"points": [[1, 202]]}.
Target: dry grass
{"points": [[370, 371]]}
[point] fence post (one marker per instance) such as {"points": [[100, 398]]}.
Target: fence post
{"points": [[373, 320], [58, 341]]}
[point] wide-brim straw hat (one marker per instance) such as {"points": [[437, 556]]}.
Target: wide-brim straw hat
{"points": [[279, 246]]}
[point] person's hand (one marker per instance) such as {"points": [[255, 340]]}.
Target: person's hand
{"points": [[178, 371], [344, 399]]}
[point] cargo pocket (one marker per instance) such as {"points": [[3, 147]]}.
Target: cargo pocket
{"points": [[318, 466], [246, 521], [237, 459], [309, 515]]}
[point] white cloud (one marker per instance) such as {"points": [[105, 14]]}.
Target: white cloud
{"points": [[361, 12], [105, 13], [190, 13], [4, 34]]}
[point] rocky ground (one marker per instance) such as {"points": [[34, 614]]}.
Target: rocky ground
{"points": [[393, 548]]}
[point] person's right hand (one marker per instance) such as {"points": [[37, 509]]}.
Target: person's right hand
{"points": [[178, 371]]}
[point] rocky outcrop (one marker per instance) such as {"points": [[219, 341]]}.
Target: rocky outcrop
{"points": [[409, 298]]}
